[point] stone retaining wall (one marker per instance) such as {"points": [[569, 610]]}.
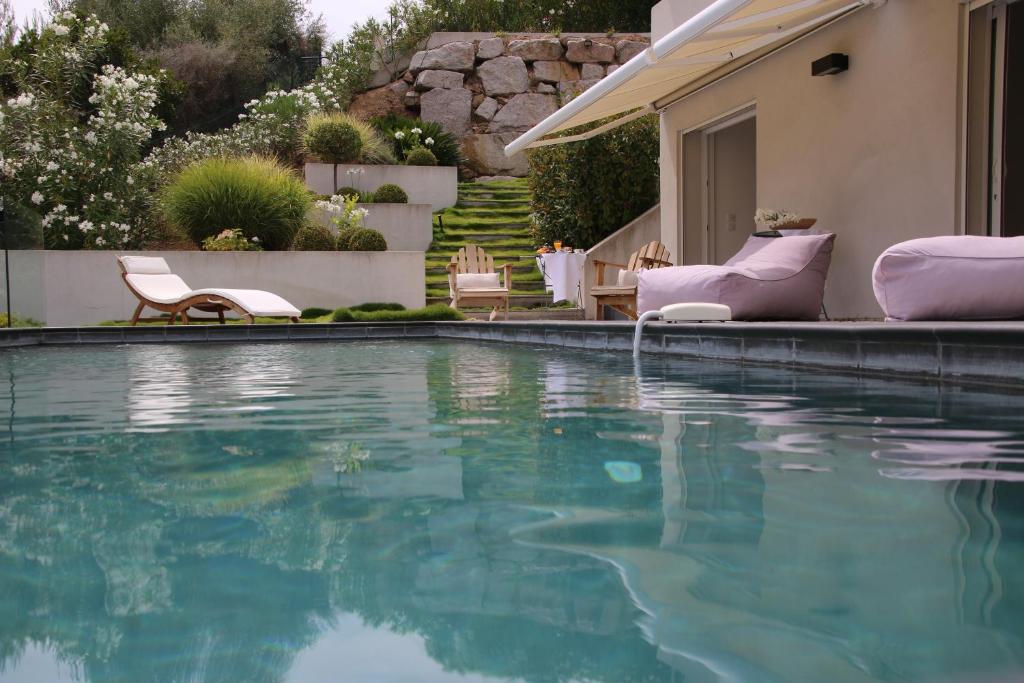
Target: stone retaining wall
{"points": [[487, 89]]}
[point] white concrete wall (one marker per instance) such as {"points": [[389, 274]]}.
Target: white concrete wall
{"points": [[62, 288], [434, 185], [406, 227], [617, 248], [871, 153]]}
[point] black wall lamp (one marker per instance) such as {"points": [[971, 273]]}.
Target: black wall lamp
{"points": [[830, 65]]}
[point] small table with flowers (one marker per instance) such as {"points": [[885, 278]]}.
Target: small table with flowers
{"points": [[563, 274]]}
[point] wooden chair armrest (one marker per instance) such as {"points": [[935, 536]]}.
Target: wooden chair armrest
{"points": [[599, 267], [452, 270], [508, 276]]}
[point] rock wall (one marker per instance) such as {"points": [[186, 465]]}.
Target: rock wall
{"points": [[488, 89]]}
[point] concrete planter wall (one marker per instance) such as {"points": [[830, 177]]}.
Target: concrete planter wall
{"points": [[62, 288], [406, 227], [434, 185]]}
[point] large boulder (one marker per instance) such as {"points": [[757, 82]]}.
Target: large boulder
{"points": [[457, 56], [487, 109], [380, 101], [504, 76], [436, 78], [555, 71], [578, 51], [485, 155], [489, 48], [539, 48], [452, 109], [591, 71], [571, 90], [625, 50], [523, 112]]}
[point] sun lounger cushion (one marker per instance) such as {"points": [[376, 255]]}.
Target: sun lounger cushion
{"points": [[770, 278], [145, 265], [962, 277], [256, 301]]}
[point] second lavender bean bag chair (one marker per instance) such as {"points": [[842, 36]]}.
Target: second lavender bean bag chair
{"points": [[962, 277], [771, 278]]}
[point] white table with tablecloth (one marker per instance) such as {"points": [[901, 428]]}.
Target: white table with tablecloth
{"points": [[563, 274]]}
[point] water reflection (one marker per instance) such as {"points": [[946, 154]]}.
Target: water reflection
{"points": [[446, 512]]}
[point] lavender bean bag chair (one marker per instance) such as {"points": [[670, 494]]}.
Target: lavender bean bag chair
{"points": [[952, 278], [771, 278]]}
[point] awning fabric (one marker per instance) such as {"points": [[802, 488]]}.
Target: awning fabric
{"points": [[714, 39]]}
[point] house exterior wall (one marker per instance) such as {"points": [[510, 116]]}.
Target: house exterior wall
{"points": [[871, 153]]}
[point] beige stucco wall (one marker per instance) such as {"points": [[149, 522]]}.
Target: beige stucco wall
{"points": [[872, 153], [64, 288], [617, 248]]}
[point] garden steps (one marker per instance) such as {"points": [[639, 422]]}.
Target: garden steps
{"points": [[496, 216]]}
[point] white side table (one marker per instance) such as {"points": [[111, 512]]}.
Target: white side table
{"points": [[563, 274]]}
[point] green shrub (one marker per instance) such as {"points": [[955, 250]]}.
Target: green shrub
{"points": [[584, 191], [314, 237], [344, 239], [390, 194], [17, 321], [231, 239], [338, 138], [346, 192], [420, 156], [432, 312], [313, 312], [333, 140], [367, 239], [431, 135], [367, 197], [264, 199], [371, 307]]}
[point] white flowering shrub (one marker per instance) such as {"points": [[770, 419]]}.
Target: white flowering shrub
{"points": [[75, 163]]}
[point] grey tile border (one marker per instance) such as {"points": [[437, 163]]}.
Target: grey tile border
{"points": [[964, 353]]}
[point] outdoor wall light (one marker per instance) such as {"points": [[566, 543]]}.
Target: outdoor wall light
{"points": [[588, 43], [830, 65]]}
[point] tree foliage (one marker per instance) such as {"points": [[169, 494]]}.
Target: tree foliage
{"points": [[584, 191]]}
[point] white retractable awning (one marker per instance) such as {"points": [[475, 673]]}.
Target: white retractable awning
{"points": [[708, 44]]}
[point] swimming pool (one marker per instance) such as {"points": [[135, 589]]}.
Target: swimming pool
{"points": [[457, 511]]}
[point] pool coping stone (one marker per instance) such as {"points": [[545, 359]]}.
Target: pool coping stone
{"points": [[988, 353]]}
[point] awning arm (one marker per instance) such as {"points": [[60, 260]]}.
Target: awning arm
{"points": [[621, 121], [697, 25]]}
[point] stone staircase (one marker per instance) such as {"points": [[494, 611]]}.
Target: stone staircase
{"points": [[494, 215]]}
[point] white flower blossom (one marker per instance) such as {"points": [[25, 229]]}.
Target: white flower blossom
{"points": [[428, 142], [37, 197], [399, 135], [60, 29]]}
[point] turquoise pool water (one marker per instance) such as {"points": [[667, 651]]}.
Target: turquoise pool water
{"points": [[469, 512]]}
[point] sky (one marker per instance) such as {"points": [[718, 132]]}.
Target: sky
{"points": [[339, 15]]}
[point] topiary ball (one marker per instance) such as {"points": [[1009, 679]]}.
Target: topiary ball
{"points": [[390, 194], [367, 239], [344, 239], [332, 140], [420, 156], [314, 237], [254, 194]]}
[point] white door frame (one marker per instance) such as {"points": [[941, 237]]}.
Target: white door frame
{"points": [[707, 171]]}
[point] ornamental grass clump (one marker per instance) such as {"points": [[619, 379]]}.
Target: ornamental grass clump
{"points": [[390, 194], [406, 134], [258, 195], [338, 138]]}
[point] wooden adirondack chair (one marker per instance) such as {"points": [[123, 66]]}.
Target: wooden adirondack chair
{"points": [[621, 295], [471, 259]]}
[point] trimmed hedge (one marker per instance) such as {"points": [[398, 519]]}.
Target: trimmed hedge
{"points": [[313, 312], [344, 239], [372, 306], [314, 237], [585, 191], [420, 156], [432, 312], [254, 194], [367, 239], [389, 193]]}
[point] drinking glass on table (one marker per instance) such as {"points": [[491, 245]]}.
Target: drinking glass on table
{"points": [[558, 245]]}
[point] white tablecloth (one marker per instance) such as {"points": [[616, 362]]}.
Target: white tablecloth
{"points": [[563, 274]]}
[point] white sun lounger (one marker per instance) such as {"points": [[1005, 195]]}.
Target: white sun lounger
{"points": [[150, 279]]}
